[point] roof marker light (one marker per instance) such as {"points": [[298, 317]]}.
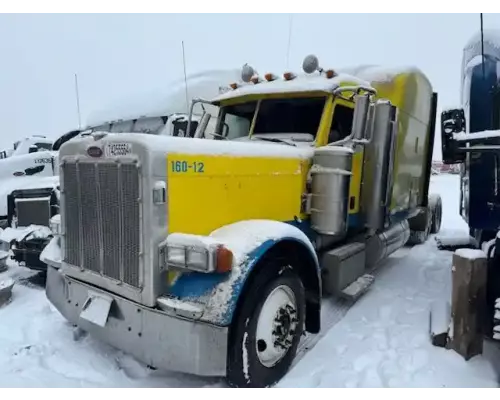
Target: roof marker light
{"points": [[270, 77], [288, 76], [256, 79], [330, 73]]}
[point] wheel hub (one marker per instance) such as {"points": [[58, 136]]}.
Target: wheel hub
{"points": [[276, 326], [285, 323]]}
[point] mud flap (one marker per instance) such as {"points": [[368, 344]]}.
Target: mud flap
{"points": [[334, 309], [332, 312], [96, 308]]}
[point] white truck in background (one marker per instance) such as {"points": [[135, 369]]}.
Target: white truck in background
{"points": [[30, 144], [30, 205], [28, 160], [164, 113]]}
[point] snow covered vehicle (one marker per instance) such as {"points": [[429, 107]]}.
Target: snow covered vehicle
{"points": [[480, 112], [27, 145], [28, 160], [471, 138], [213, 257], [30, 207], [163, 113]]}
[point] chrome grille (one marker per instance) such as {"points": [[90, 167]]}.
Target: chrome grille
{"points": [[102, 219]]}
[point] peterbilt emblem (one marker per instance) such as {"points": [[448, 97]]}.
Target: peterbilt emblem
{"points": [[94, 151]]}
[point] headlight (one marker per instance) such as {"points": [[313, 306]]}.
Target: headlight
{"points": [[55, 224], [194, 253]]}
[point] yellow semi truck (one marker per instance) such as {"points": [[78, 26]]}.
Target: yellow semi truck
{"points": [[215, 257]]}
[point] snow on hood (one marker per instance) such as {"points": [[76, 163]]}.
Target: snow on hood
{"points": [[176, 145]]}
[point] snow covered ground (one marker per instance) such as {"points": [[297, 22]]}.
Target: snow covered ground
{"points": [[382, 341]]}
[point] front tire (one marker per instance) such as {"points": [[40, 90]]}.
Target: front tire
{"points": [[267, 328]]}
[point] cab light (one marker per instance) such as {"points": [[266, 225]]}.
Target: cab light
{"points": [[330, 73], [233, 86], [255, 80], [270, 77], [289, 76], [224, 259]]}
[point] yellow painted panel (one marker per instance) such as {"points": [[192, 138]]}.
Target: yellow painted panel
{"points": [[411, 93], [325, 124], [206, 192]]}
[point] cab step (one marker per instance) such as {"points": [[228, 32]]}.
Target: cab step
{"points": [[356, 289]]}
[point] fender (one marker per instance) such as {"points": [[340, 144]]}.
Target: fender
{"points": [[249, 241]]}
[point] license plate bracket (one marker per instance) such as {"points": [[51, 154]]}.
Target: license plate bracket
{"points": [[96, 308]]}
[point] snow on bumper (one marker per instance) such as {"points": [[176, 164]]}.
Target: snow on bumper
{"points": [[51, 254], [152, 336]]}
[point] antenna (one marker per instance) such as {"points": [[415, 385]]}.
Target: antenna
{"points": [[482, 44], [185, 78], [290, 21], [77, 102]]}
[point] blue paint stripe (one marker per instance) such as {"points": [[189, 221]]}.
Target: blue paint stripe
{"points": [[194, 285]]}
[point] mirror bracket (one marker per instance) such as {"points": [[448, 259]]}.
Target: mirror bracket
{"points": [[452, 122]]}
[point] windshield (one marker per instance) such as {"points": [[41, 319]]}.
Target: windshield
{"points": [[44, 146], [292, 119]]}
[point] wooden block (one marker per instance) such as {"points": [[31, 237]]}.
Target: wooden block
{"points": [[469, 277]]}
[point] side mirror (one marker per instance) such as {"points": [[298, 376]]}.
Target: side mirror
{"points": [[190, 115], [360, 117], [202, 126], [33, 149], [452, 121]]}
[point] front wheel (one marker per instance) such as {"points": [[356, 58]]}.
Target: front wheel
{"points": [[267, 329]]}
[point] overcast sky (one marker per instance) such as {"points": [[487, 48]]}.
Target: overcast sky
{"points": [[116, 56]]}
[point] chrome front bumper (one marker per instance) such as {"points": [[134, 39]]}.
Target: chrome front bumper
{"points": [[152, 336]]}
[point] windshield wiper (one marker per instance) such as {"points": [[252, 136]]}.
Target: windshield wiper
{"points": [[275, 140]]}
